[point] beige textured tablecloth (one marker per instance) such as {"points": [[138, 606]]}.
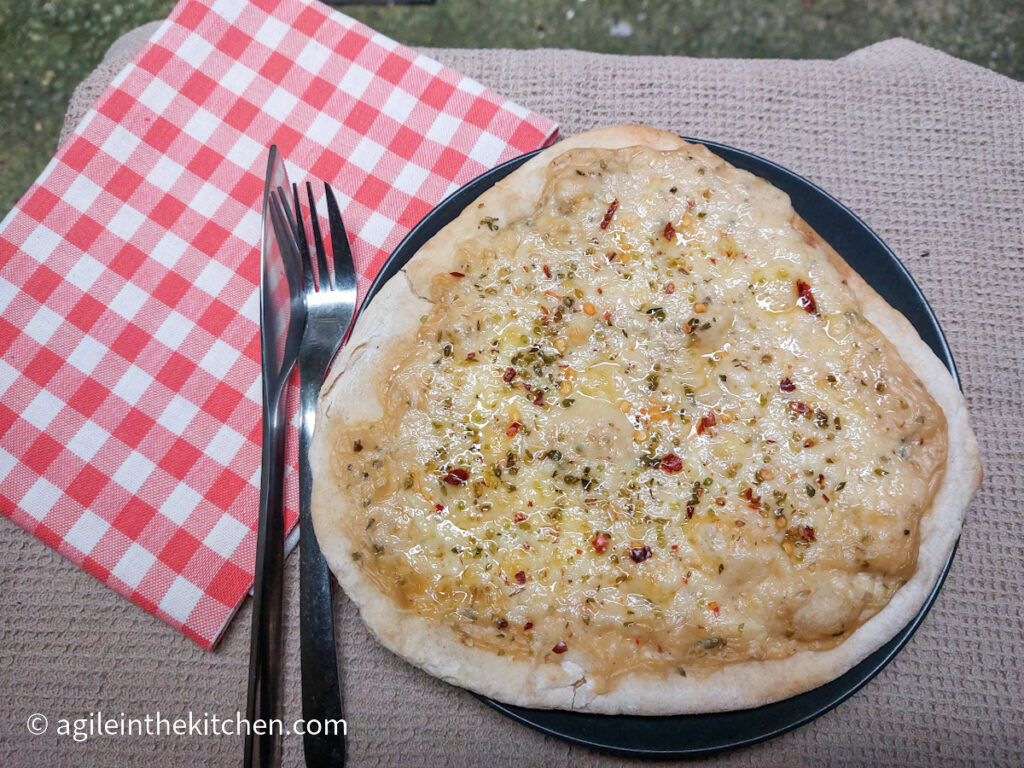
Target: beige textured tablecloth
{"points": [[929, 151]]}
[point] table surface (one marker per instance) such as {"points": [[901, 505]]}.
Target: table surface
{"points": [[929, 151]]}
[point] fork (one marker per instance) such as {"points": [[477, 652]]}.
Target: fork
{"points": [[330, 297]]}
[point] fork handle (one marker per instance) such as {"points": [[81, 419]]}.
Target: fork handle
{"points": [[321, 687]]}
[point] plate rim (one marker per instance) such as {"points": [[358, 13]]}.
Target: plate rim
{"points": [[851, 681]]}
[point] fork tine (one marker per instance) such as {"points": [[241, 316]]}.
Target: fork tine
{"points": [[301, 243], [297, 241], [302, 262], [300, 228], [282, 224], [344, 269], [284, 200], [324, 275]]}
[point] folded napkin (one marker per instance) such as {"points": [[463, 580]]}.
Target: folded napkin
{"points": [[129, 274]]}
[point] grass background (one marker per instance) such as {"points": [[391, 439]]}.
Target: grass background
{"points": [[47, 48]]}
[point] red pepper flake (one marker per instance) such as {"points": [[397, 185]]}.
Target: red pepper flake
{"points": [[670, 288], [802, 533], [805, 298], [821, 481], [560, 647], [519, 517], [528, 626], [674, 547], [609, 213], [439, 507], [510, 373], [706, 422], [471, 355], [607, 316], [671, 463], [786, 385], [457, 476], [670, 231], [714, 607], [691, 204], [826, 498], [521, 577], [798, 407], [513, 429], [601, 542], [639, 554], [539, 399], [457, 274], [547, 271], [526, 546]]}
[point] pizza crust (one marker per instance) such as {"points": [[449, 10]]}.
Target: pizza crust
{"points": [[516, 194], [350, 393]]}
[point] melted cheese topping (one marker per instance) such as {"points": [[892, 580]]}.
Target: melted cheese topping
{"points": [[646, 426]]}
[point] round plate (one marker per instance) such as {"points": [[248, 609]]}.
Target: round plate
{"points": [[689, 735]]}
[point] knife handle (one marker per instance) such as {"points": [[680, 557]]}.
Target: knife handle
{"points": [[321, 687], [264, 692]]}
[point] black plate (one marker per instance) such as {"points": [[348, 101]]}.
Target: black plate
{"points": [[688, 735]]}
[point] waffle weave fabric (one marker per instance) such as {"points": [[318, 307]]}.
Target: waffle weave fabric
{"points": [[929, 151]]}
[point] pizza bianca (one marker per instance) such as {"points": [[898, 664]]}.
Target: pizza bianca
{"points": [[628, 437]]}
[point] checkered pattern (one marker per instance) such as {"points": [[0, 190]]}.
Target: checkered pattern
{"points": [[129, 273]]}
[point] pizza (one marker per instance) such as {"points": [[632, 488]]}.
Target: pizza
{"points": [[627, 436]]}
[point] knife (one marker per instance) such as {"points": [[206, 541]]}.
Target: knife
{"points": [[282, 318]]}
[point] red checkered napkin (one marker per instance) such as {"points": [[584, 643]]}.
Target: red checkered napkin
{"points": [[129, 326]]}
